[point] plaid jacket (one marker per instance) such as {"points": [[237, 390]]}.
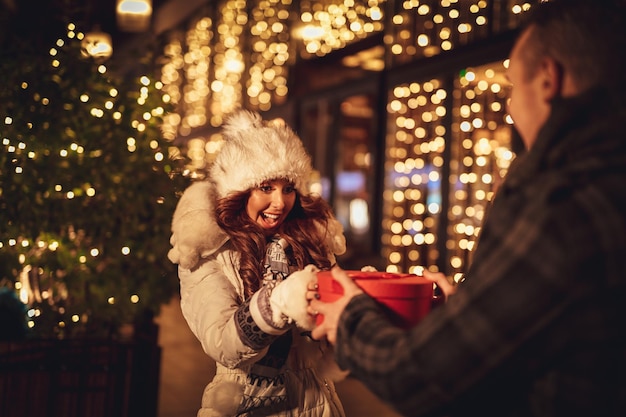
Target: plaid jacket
{"points": [[538, 326]]}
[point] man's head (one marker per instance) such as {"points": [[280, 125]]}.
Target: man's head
{"points": [[565, 48]]}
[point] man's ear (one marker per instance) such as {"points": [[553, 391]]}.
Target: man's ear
{"points": [[552, 78]]}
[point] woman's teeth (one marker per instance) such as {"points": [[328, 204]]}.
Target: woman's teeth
{"points": [[271, 216]]}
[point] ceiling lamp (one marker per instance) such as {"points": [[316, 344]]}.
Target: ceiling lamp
{"points": [[97, 44], [134, 15]]}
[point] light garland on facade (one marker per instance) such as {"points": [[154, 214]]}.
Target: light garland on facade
{"points": [[226, 86], [212, 49], [480, 145], [481, 155], [419, 129], [412, 197], [173, 81], [270, 55], [197, 64], [329, 25], [427, 28]]}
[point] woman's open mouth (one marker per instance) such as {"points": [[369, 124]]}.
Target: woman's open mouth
{"points": [[270, 219]]}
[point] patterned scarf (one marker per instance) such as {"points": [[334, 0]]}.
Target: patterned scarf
{"points": [[276, 265], [276, 268]]}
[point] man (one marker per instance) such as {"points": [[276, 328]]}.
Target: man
{"points": [[538, 326]]}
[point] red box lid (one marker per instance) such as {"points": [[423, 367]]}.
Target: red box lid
{"points": [[406, 298], [380, 284]]}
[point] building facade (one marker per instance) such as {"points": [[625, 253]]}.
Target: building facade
{"points": [[401, 103]]}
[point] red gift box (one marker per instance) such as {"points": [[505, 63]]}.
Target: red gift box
{"points": [[406, 298]]}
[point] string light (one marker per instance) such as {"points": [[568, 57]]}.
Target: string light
{"points": [[267, 73], [205, 74], [413, 182], [480, 142], [327, 26], [40, 284]]}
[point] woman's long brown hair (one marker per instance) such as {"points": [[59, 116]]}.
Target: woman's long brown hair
{"points": [[304, 230]]}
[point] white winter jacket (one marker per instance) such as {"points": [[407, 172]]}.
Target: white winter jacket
{"points": [[283, 373]]}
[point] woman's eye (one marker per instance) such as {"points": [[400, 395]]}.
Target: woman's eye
{"points": [[289, 189], [265, 188]]}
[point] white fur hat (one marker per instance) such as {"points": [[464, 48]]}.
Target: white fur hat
{"points": [[255, 151]]}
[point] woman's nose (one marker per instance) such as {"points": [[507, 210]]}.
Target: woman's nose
{"points": [[278, 201]]}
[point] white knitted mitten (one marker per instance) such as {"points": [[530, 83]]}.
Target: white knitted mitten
{"points": [[288, 299]]}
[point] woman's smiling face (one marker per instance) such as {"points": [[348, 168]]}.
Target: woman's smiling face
{"points": [[270, 203]]}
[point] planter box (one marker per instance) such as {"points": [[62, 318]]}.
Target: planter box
{"points": [[79, 378]]}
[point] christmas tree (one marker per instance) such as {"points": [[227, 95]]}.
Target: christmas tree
{"points": [[87, 184]]}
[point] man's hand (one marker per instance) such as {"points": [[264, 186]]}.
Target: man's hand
{"points": [[331, 311], [441, 281]]}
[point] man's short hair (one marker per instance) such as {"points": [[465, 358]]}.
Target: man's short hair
{"points": [[586, 37]]}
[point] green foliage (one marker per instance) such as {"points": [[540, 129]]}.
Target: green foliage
{"points": [[84, 179]]}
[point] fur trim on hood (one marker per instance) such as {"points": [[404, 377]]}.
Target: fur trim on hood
{"points": [[195, 233]]}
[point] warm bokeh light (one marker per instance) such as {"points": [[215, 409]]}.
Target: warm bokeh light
{"points": [[480, 155], [447, 146]]}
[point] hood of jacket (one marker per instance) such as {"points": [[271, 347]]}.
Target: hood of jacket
{"points": [[195, 233]]}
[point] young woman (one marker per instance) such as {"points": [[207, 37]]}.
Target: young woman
{"points": [[248, 241]]}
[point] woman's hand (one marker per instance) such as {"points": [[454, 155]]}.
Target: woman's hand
{"points": [[288, 302], [331, 311]]}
